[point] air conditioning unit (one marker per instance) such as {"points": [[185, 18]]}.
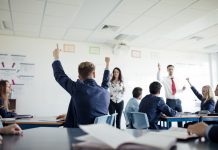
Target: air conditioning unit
{"points": [[120, 47]]}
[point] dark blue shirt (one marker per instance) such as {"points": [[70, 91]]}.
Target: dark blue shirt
{"points": [[205, 104], [88, 100], [154, 106], [3, 112]]}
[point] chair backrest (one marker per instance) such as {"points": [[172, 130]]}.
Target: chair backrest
{"points": [[1, 125], [106, 119], [101, 119], [140, 120]]}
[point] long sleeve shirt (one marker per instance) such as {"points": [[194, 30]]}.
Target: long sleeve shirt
{"points": [[205, 104], [88, 100], [167, 83], [3, 112], [131, 106], [116, 91]]}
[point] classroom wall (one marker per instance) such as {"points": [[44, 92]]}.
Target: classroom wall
{"points": [[44, 97]]}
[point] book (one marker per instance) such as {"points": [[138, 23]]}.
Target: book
{"points": [[106, 137], [23, 116], [178, 133]]}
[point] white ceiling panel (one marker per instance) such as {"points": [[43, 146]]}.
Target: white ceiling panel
{"points": [[208, 33], [5, 15], [142, 24], [93, 12], [26, 28], [27, 34], [52, 32], [58, 22], [26, 18], [60, 10], [68, 2], [195, 26], [119, 19], [4, 5], [206, 5], [77, 34], [6, 32], [28, 6], [135, 6]]}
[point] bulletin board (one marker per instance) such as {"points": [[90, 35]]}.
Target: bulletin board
{"points": [[17, 71]]}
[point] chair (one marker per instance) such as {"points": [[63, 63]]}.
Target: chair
{"points": [[139, 120], [105, 119]]}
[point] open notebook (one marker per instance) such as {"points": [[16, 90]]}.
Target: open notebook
{"points": [[105, 137]]}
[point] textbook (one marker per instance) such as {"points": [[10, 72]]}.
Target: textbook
{"points": [[105, 137]]}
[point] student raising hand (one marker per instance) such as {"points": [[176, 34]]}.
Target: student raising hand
{"points": [[56, 53]]}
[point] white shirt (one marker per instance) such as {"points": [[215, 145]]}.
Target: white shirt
{"points": [[167, 83], [116, 91]]}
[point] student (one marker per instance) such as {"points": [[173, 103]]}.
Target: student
{"points": [[216, 94], [11, 129], [206, 98], [202, 129], [171, 89], [133, 104], [117, 90], [154, 106], [88, 100], [5, 91]]}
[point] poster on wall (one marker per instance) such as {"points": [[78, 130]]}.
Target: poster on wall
{"points": [[17, 71]]}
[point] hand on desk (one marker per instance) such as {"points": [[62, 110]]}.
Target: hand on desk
{"points": [[11, 129], [61, 117], [198, 128]]}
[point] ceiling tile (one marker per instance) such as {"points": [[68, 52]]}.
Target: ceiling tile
{"points": [[26, 33], [206, 5], [26, 28], [28, 6], [4, 5], [6, 32], [60, 10], [92, 13], [5, 15], [77, 34], [69, 2], [25, 18], [59, 22], [135, 6]]}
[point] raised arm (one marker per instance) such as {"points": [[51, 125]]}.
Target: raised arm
{"points": [[158, 72], [195, 91], [106, 75], [60, 75]]}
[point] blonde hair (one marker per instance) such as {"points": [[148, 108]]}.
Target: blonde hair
{"points": [[210, 94]]}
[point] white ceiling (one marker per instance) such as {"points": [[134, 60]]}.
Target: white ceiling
{"points": [[183, 25]]}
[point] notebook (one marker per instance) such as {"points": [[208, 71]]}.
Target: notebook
{"points": [[23, 116], [105, 137]]}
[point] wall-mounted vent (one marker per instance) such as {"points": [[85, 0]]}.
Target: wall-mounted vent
{"points": [[125, 37], [110, 28]]}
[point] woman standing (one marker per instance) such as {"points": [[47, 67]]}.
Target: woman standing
{"points": [[5, 91], [117, 89]]}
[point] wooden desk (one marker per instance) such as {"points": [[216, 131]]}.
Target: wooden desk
{"points": [[181, 118], [62, 139], [35, 122]]}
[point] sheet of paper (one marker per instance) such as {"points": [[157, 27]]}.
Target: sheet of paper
{"points": [[109, 135]]}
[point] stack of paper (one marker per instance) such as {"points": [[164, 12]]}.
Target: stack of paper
{"points": [[105, 137]]}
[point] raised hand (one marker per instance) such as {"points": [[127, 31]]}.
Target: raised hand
{"points": [[56, 53], [158, 66], [107, 60]]}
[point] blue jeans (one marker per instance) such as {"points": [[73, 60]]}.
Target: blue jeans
{"points": [[176, 105]]}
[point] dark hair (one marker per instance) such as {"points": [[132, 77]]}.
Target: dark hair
{"points": [[85, 68], [155, 87], [170, 66], [137, 91], [120, 78], [3, 87]]}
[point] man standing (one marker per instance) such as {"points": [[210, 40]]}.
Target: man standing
{"points": [[171, 89]]}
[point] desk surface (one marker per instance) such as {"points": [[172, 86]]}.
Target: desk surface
{"points": [[62, 138], [37, 121]]}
